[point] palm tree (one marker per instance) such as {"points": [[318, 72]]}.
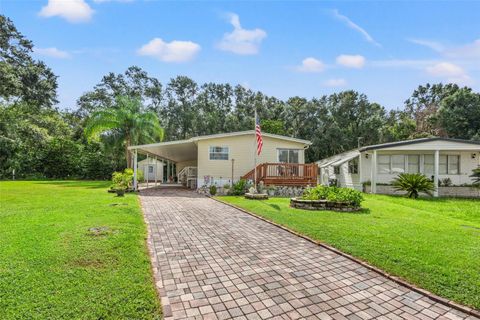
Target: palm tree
{"points": [[125, 123], [413, 184]]}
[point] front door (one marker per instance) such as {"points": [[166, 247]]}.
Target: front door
{"points": [[151, 172]]}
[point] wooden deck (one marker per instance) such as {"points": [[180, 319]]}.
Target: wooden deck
{"points": [[285, 174]]}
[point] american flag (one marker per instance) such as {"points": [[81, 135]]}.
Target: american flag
{"points": [[258, 134]]}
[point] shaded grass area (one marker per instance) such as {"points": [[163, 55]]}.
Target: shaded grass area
{"points": [[433, 243], [70, 250]]}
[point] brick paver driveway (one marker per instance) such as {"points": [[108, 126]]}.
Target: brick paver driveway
{"points": [[217, 262]]}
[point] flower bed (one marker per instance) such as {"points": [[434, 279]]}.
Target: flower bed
{"points": [[322, 205], [256, 196], [328, 198]]}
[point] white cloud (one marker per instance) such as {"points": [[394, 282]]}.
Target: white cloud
{"points": [[449, 71], [52, 52], [468, 51], [435, 46], [311, 65], [351, 61], [355, 27], [402, 63], [103, 1], [242, 41], [74, 11], [175, 51], [340, 82]]}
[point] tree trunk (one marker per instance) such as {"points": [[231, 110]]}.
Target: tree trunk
{"points": [[127, 153]]}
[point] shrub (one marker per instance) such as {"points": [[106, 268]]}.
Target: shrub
{"points": [[476, 177], [122, 180], [345, 195], [447, 182], [413, 184], [213, 190], [334, 194], [140, 175], [239, 188], [318, 193]]}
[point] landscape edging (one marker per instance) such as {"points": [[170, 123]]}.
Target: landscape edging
{"points": [[396, 279]]}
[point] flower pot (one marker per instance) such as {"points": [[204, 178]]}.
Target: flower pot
{"points": [[120, 192]]}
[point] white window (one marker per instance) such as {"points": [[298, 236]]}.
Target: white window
{"points": [[453, 164], [447, 164], [336, 170], [383, 165], [443, 164], [413, 163], [218, 153], [398, 164], [391, 163], [428, 165], [150, 169], [353, 166], [288, 155]]}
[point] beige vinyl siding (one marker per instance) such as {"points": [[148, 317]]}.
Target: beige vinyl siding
{"points": [[241, 148]]}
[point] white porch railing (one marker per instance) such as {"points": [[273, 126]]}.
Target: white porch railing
{"points": [[188, 177]]}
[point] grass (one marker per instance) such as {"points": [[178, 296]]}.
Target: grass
{"points": [[432, 243], [70, 250]]}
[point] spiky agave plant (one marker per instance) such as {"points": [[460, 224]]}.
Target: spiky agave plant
{"points": [[413, 184]]}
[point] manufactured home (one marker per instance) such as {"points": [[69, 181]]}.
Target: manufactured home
{"points": [[222, 159], [447, 161]]}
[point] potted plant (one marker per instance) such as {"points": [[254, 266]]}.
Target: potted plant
{"points": [[213, 190], [226, 189], [120, 183], [271, 191]]}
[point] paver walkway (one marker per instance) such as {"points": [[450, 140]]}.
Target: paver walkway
{"points": [[217, 262]]}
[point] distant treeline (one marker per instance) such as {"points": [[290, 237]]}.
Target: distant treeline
{"points": [[37, 139]]}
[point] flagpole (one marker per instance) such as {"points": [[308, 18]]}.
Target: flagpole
{"points": [[255, 150]]}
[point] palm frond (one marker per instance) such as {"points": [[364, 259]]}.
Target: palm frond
{"points": [[413, 184], [101, 121]]}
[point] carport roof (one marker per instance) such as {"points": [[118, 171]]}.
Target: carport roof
{"points": [[185, 150]]}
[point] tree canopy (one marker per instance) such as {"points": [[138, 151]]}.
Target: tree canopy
{"points": [[37, 139]]}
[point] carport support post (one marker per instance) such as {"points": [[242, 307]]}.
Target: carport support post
{"points": [[135, 184], [156, 162], [168, 171], [435, 177], [146, 175], [374, 173]]}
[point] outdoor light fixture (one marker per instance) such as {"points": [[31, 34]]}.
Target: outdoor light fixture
{"points": [[474, 155], [366, 155]]}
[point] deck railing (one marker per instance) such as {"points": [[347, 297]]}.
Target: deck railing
{"points": [[188, 177], [288, 174]]}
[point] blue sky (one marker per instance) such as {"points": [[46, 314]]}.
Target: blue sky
{"points": [[383, 49]]}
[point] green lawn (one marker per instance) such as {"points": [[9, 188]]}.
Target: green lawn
{"points": [[434, 244], [53, 266]]}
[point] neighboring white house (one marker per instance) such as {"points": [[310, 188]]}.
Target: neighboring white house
{"points": [[152, 169], [438, 158], [219, 158]]}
